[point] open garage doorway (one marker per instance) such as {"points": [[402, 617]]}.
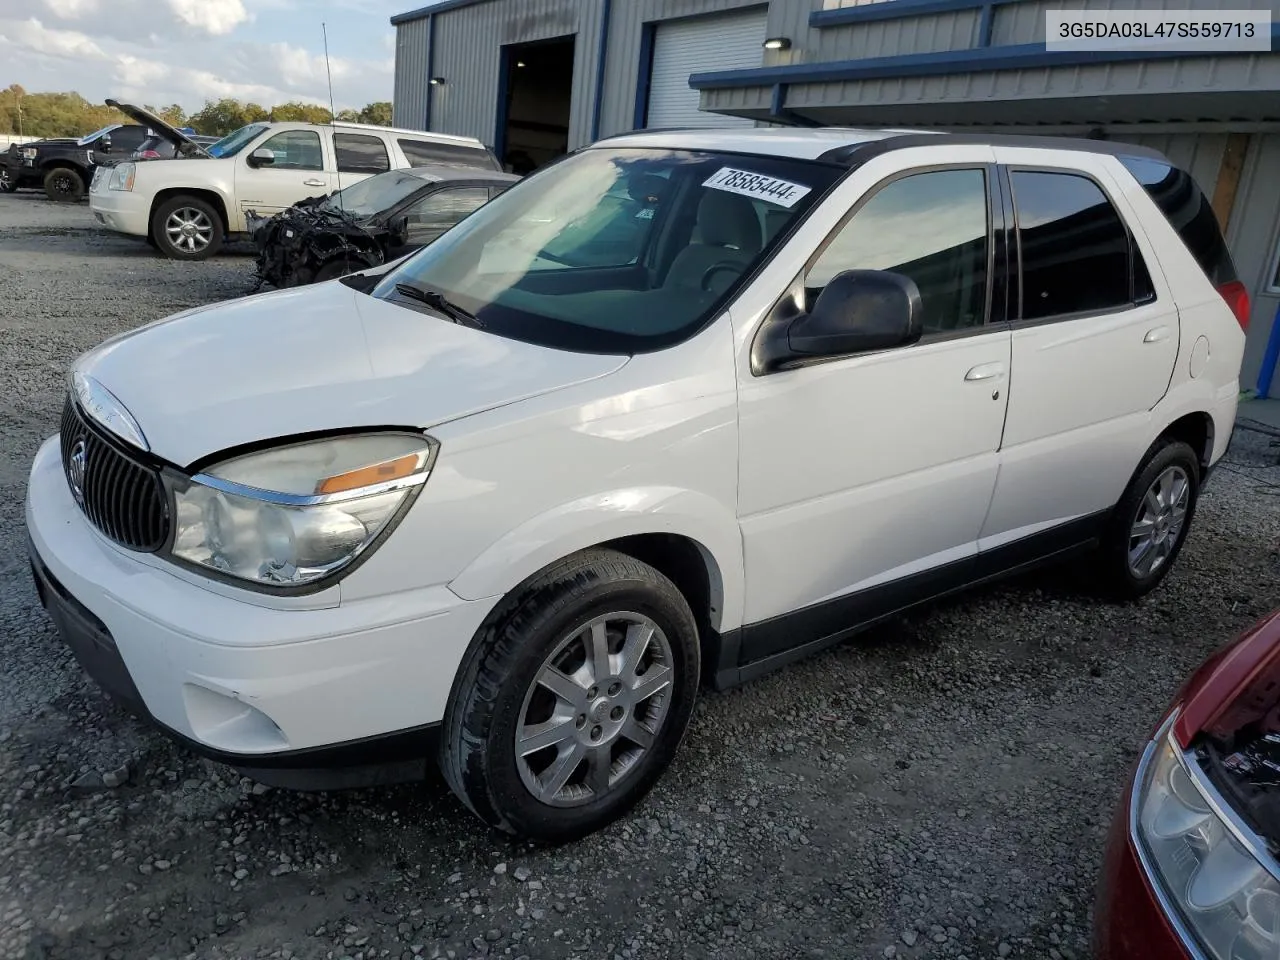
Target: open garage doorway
{"points": [[533, 112]]}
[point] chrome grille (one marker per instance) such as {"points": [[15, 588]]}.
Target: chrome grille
{"points": [[121, 496]]}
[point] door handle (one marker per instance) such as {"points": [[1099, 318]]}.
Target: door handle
{"points": [[986, 371], [313, 183], [1156, 334]]}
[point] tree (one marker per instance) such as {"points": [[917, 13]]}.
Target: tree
{"points": [[52, 114], [218, 118], [301, 112], [349, 116], [378, 113], [172, 114]]}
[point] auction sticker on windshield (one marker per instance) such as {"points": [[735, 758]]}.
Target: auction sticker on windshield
{"points": [[782, 192]]}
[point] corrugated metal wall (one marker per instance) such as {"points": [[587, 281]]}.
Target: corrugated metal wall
{"points": [[1253, 235], [468, 52], [409, 100]]}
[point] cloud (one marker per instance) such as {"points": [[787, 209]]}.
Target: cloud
{"points": [[190, 51], [216, 17], [34, 36]]}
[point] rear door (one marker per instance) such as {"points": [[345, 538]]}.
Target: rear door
{"points": [[1095, 338], [301, 169]]}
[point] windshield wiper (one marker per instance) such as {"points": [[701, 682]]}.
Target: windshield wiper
{"points": [[438, 301]]}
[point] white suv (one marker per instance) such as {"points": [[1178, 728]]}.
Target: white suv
{"points": [[187, 206], [679, 408]]}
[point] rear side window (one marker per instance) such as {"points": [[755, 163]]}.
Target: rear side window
{"points": [[423, 152], [1188, 212], [1074, 246], [358, 153]]}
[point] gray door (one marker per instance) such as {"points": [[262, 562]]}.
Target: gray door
{"points": [[681, 47]]}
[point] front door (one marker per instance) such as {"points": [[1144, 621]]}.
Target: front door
{"points": [[297, 172], [1095, 338], [862, 475]]}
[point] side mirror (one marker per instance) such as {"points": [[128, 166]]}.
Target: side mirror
{"points": [[104, 143], [262, 157], [859, 310]]}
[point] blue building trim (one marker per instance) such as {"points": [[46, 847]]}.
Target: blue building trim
{"points": [[648, 32], [1023, 56], [431, 69], [986, 24], [780, 113], [602, 51], [895, 10], [440, 7], [503, 107]]}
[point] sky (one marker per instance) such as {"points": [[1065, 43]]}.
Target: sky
{"points": [[189, 51]]}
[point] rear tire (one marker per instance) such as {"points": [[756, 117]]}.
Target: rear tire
{"points": [[186, 228], [1149, 525], [63, 185], [598, 661]]}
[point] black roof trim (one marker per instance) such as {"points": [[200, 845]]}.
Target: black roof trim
{"points": [[858, 153]]}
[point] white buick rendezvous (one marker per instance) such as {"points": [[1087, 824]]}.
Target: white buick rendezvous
{"points": [[678, 409]]}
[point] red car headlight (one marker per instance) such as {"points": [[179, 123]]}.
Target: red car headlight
{"points": [[1210, 868]]}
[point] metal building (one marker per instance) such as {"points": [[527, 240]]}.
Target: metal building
{"points": [[536, 78]]}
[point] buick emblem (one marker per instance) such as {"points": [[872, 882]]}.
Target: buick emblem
{"points": [[76, 469]]}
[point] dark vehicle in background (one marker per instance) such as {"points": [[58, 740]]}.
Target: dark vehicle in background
{"points": [[1191, 870], [64, 166], [156, 147], [368, 223]]}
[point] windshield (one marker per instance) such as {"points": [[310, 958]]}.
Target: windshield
{"points": [[235, 141], [616, 251], [375, 194], [85, 140]]}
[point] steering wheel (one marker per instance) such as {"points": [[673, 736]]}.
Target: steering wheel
{"points": [[715, 268]]}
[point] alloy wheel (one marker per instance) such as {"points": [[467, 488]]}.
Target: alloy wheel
{"points": [[1161, 515], [188, 229], [594, 709]]}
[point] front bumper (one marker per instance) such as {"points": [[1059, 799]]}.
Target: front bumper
{"points": [[121, 210], [309, 698]]}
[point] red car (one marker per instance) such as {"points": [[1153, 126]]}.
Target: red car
{"points": [[1191, 868]]}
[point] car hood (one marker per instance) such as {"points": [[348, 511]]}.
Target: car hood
{"points": [[316, 358], [161, 128]]}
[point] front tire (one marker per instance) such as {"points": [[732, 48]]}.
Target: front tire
{"points": [[186, 228], [573, 698], [1150, 523], [63, 185], [7, 182]]}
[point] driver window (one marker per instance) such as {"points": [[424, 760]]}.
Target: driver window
{"points": [[437, 212], [295, 150], [931, 227]]}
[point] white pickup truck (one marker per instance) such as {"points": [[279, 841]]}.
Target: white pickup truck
{"points": [[186, 207]]}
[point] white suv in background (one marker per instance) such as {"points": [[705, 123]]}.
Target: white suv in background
{"points": [[678, 408], [186, 207]]}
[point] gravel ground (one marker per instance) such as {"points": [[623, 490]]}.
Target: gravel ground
{"points": [[939, 788]]}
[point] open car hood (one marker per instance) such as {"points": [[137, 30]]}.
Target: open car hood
{"points": [[161, 128]]}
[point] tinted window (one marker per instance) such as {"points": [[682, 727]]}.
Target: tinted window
{"points": [[1074, 246], [422, 152], [437, 212], [126, 139], [295, 150], [932, 227], [1189, 212], [360, 154]]}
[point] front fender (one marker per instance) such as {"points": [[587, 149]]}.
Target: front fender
{"points": [[599, 518]]}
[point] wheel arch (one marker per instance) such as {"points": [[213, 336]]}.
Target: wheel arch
{"points": [[689, 537], [211, 197], [62, 163], [1196, 430]]}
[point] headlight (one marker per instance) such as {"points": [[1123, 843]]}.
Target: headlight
{"points": [[122, 176], [1225, 896], [28, 152], [296, 514]]}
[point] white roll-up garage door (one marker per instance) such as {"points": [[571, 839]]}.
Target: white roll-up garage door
{"points": [[723, 42]]}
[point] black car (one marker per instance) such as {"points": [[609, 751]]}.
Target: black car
{"points": [[375, 220], [64, 166]]}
